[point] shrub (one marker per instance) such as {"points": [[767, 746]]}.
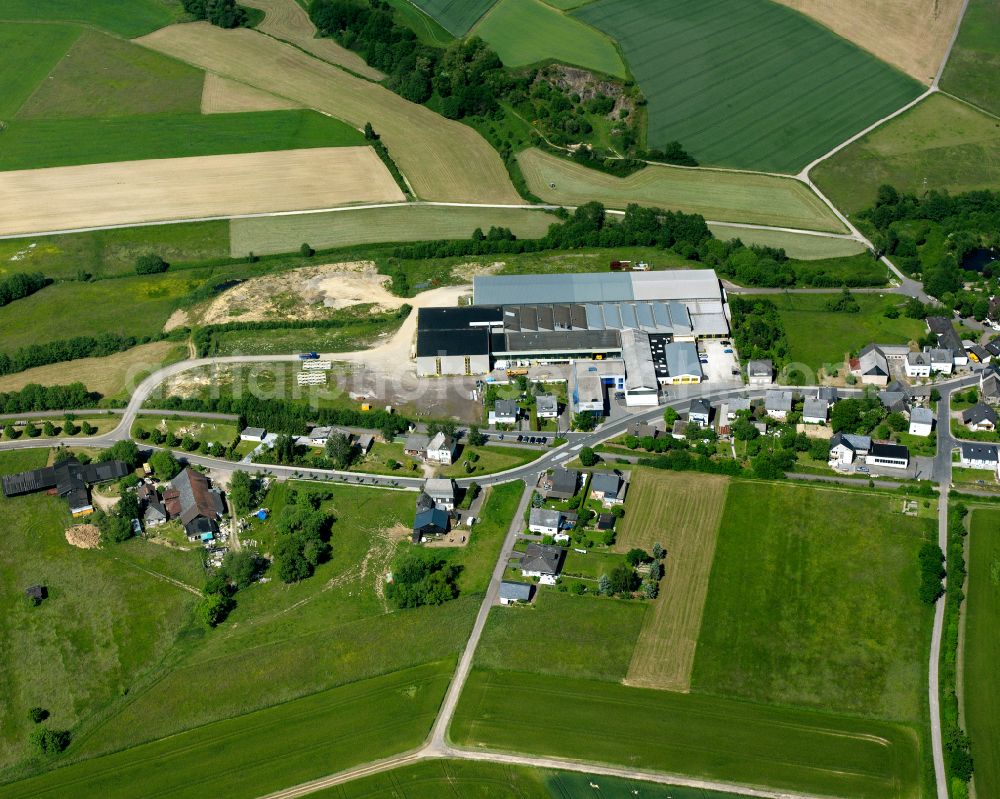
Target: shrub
{"points": [[150, 264], [38, 714], [49, 742]]}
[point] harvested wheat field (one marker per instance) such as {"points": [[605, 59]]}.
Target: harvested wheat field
{"points": [[84, 536], [912, 35], [224, 96], [682, 513], [134, 192], [288, 21], [442, 159]]}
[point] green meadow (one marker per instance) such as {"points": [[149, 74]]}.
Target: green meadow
{"points": [[455, 16], [973, 70], [131, 19]]}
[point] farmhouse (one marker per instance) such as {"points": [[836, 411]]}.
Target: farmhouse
{"points": [[949, 340], [512, 592], [543, 562], [871, 366], [441, 449], [921, 422], [416, 445], [895, 456], [504, 412], [977, 456], [845, 448], [559, 484], [154, 512], [942, 361], [918, 364], [191, 498], [980, 417], [441, 491], [760, 373], [69, 479], [546, 407], [608, 487]]}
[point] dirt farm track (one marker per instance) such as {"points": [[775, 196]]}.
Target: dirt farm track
{"points": [[133, 192]]}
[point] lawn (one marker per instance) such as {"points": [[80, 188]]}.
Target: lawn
{"points": [[133, 19], [37, 143], [982, 650], [455, 16], [804, 314], [198, 429], [821, 612], [748, 83], [700, 736], [102, 423], [559, 634], [103, 76], [939, 144], [718, 196], [267, 750], [353, 335], [104, 625], [527, 32], [796, 245], [27, 54], [104, 253], [681, 512], [973, 71], [278, 234]]}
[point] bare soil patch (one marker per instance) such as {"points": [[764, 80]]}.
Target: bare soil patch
{"points": [[224, 96], [84, 536], [912, 35], [133, 192], [178, 318]]}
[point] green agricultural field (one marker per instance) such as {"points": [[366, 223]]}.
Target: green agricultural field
{"points": [[939, 144], [129, 20], [529, 32], [27, 54], [748, 83], [102, 76], [428, 31], [37, 143], [103, 626], [106, 253], [455, 16], [716, 195], [277, 234], [804, 314], [691, 734], [973, 70], [796, 245], [238, 757], [982, 650], [786, 601], [559, 635]]}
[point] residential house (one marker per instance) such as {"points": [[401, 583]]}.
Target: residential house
{"points": [[948, 339], [942, 361], [201, 529], [154, 512], [441, 449], [921, 422], [845, 448], [977, 456], [700, 412], [871, 366], [542, 561], [253, 434], [918, 364], [894, 401], [980, 417], [512, 592], [679, 430], [978, 354], [814, 411], [778, 404], [736, 405], [546, 407], [828, 394], [191, 498], [989, 386], [993, 348], [428, 522], [644, 430], [543, 521], [894, 456], [504, 412], [760, 372], [559, 484], [441, 491], [416, 445], [364, 442], [608, 487], [606, 521]]}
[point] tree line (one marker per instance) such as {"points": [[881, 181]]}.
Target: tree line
{"points": [[34, 397], [222, 13], [21, 285], [71, 349]]}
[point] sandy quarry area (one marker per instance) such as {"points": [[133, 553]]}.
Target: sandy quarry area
{"points": [[912, 35], [303, 294], [84, 536], [224, 96], [132, 192]]}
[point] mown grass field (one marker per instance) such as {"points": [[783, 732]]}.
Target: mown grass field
{"points": [[804, 314], [560, 635], [493, 459], [442, 159], [104, 625], [358, 335], [982, 650], [455, 16], [703, 736], [27, 53], [103, 76], [37, 143], [279, 234], [813, 601], [132, 19], [529, 32], [720, 196], [427, 29], [267, 750], [939, 144], [681, 512], [716, 81], [796, 245], [973, 70]]}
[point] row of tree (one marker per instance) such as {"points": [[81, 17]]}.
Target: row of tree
{"points": [[70, 349], [20, 285], [34, 397], [223, 13]]}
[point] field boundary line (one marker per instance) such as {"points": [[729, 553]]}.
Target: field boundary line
{"points": [[951, 45], [177, 583], [969, 103]]}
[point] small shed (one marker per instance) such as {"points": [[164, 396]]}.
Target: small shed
{"points": [[36, 594]]}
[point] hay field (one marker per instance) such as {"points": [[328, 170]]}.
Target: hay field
{"points": [[912, 35], [277, 234], [223, 96], [442, 159], [288, 21], [681, 512], [721, 196], [28, 53], [799, 246], [973, 71], [177, 188]]}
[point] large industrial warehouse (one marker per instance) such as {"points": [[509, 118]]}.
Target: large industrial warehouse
{"points": [[641, 327]]}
